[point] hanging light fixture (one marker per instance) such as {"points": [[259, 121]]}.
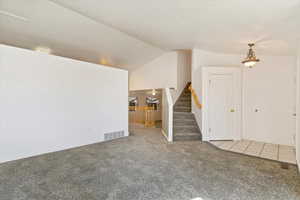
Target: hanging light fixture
{"points": [[251, 59], [153, 92]]}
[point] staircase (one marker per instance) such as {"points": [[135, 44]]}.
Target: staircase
{"points": [[185, 127]]}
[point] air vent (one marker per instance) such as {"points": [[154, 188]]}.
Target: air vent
{"points": [[113, 135]]}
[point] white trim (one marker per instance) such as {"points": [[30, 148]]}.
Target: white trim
{"points": [[164, 134], [206, 71], [297, 142], [167, 113], [243, 127], [170, 109]]}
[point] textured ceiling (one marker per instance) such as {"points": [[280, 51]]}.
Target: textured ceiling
{"points": [[130, 33]]}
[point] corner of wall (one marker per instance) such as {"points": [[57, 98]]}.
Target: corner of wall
{"points": [[297, 143], [159, 73], [196, 79]]}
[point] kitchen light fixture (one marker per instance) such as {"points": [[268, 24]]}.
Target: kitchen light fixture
{"points": [[251, 59], [153, 92]]}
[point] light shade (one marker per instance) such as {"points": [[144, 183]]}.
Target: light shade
{"points": [[153, 92], [251, 59]]}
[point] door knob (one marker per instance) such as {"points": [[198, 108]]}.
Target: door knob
{"points": [[232, 110]]}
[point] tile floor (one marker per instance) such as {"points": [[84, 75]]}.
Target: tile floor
{"points": [[277, 152]]}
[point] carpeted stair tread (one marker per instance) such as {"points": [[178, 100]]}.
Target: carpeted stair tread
{"points": [[185, 127]]}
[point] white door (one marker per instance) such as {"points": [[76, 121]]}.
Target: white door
{"points": [[222, 99], [221, 107]]}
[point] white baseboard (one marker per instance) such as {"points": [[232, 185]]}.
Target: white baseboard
{"points": [[164, 134]]}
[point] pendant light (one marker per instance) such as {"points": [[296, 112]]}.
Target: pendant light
{"points": [[153, 92], [251, 59]]}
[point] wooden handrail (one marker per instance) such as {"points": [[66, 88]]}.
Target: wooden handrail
{"points": [[195, 97]]}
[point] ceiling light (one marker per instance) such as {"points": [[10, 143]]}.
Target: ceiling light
{"points": [[251, 59], [43, 50], [103, 61], [153, 92]]}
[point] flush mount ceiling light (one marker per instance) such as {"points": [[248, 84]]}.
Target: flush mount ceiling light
{"points": [[103, 61], [251, 59]]}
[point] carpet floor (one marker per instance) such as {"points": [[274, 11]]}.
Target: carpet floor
{"points": [[145, 167]]}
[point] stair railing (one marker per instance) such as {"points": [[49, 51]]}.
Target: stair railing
{"points": [[195, 97]]}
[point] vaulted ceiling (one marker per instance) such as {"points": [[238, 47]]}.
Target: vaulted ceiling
{"points": [[130, 33], [42, 23]]}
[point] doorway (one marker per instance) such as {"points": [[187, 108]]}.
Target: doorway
{"points": [[222, 103], [145, 109]]}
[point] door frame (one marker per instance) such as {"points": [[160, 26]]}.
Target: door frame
{"points": [[237, 93]]}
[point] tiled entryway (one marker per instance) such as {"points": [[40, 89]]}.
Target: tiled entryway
{"points": [[277, 152]]}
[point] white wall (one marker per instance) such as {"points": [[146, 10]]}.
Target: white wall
{"points": [[269, 87], [50, 103], [183, 72], [171, 70], [159, 73]]}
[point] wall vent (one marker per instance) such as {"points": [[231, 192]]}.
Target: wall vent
{"points": [[113, 135]]}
